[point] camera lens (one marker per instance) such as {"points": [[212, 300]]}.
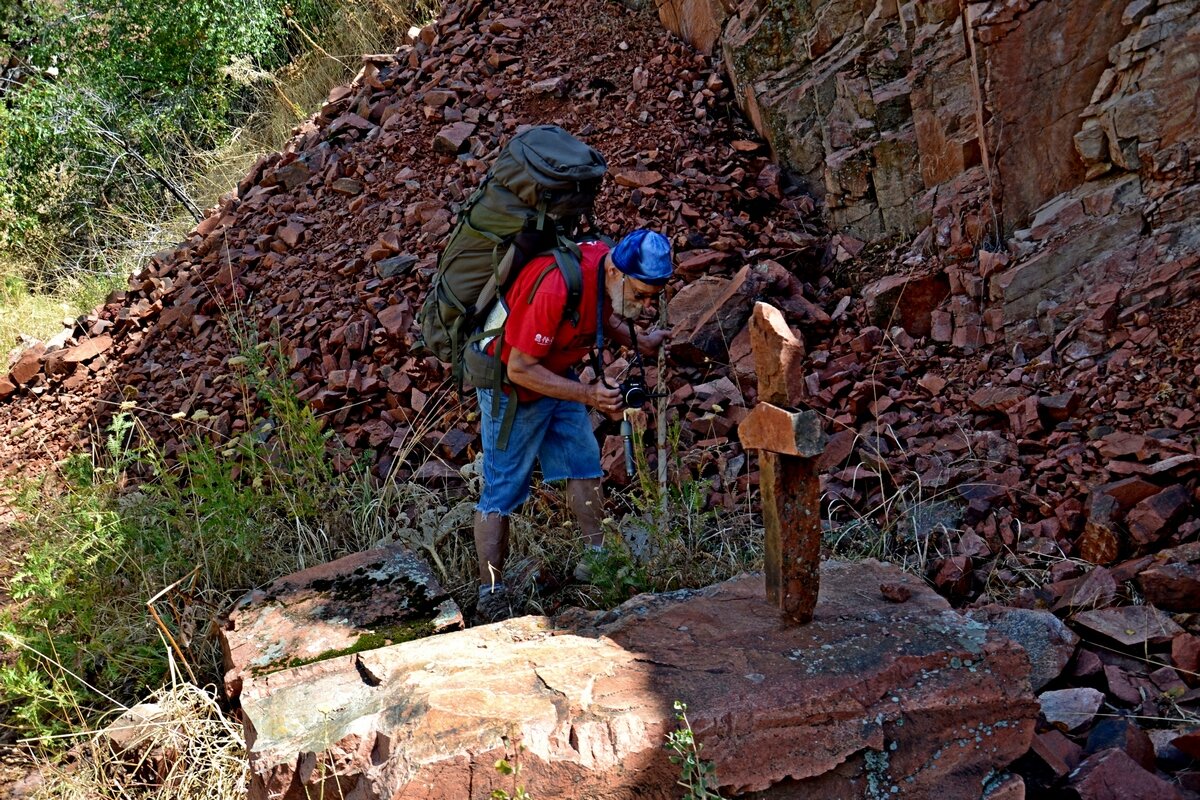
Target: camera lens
{"points": [[635, 395]]}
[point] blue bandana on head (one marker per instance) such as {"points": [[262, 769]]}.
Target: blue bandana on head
{"points": [[644, 255]]}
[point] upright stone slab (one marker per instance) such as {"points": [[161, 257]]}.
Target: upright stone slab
{"points": [[870, 695], [791, 501], [778, 357], [788, 443]]}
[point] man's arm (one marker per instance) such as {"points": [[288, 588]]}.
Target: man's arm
{"points": [[617, 330], [526, 370]]}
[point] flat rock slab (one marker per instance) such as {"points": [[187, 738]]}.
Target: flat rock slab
{"points": [[363, 601], [871, 695], [1130, 625]]}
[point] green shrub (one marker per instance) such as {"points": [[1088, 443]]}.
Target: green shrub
{"points": [[115, 97], [231, 515], [123, 118]]}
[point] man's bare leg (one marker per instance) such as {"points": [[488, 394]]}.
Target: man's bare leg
{"points": [[586, 499], [491, 545]]}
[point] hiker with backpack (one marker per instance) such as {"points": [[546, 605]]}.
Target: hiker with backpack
{"points": [[520, 301], [550, 424]]}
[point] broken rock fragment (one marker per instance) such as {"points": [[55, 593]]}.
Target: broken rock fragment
{"points": [[778, 357], [452, 139], [1174, 587], [1072, 708], [360, 602], [28, 364], [1049, 643], [87, 349], [1122, 734], [1130, 625], [1113, 775], [1151, 519], [907, 301]]}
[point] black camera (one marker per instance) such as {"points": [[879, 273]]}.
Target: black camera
{"points": [[634, 392]]}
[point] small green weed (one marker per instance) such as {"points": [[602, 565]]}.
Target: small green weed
{"points": [[697, 776], [510, 769], [684, 543], [506, 768], [614, 573]]}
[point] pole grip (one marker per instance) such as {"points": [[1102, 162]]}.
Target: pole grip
{"points": [[627, 435]]}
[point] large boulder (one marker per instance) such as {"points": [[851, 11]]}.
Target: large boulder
{"points": [[698, 22], [873, 694]]}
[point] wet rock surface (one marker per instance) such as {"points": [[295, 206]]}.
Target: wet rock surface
{"points": [[363, 601], [872, 693]]}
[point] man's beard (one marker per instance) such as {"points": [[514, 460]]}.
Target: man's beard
{"points": [[621, 295]]}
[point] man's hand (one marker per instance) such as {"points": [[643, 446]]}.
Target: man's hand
{"points": [[649, 342], [604, 398]]}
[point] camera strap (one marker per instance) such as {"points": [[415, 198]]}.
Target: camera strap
{"points": [[598, 350]]}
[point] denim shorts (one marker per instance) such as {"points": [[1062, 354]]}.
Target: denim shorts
{"points": [[555, 433]]}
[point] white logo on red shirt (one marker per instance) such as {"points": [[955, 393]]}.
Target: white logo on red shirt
{"points": [[543, 339]]}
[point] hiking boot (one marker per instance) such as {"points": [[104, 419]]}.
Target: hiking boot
{"points": [[494, 606], [523, 576]]}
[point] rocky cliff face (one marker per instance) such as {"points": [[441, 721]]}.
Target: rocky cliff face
{"points": [[1062, 136]]}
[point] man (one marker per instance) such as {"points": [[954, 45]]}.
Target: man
{"points": [[551, 426]]}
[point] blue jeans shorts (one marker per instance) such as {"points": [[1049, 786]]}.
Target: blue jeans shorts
{"points": [[557, 434]]}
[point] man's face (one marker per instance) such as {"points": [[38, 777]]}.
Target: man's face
{"points": [[630, 297]]}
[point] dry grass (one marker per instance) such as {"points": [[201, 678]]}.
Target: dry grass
{"points": [[179, 744], [697, 550]]}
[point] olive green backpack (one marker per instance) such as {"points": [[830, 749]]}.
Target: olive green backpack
{"points": [[530, 202]]}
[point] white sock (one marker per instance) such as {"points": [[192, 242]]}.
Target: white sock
{"points": [[488, 588]]}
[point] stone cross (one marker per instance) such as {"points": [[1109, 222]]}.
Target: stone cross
{"points": [[789, 443]]}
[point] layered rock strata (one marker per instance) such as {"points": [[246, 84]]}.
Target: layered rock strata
{"points": [[1037, 149]]}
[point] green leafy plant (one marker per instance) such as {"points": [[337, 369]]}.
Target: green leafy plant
{"points": [[614, 572], [122, 119], [697, 776], [510, 769], [518, 792], [684, 542]]}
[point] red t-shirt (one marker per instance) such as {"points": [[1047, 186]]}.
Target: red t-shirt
{"points": [[540, 328]]}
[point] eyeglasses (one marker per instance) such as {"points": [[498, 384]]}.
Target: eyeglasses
{"points": [[642, 295]]}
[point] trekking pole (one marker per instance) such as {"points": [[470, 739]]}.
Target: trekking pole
{"points": [[660, 424], [627, 435]]}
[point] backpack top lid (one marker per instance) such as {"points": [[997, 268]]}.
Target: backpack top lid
{"points": [[547, 158]]}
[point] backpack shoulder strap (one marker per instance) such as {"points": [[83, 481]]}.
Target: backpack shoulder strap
{"points": [[567, 263]]}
